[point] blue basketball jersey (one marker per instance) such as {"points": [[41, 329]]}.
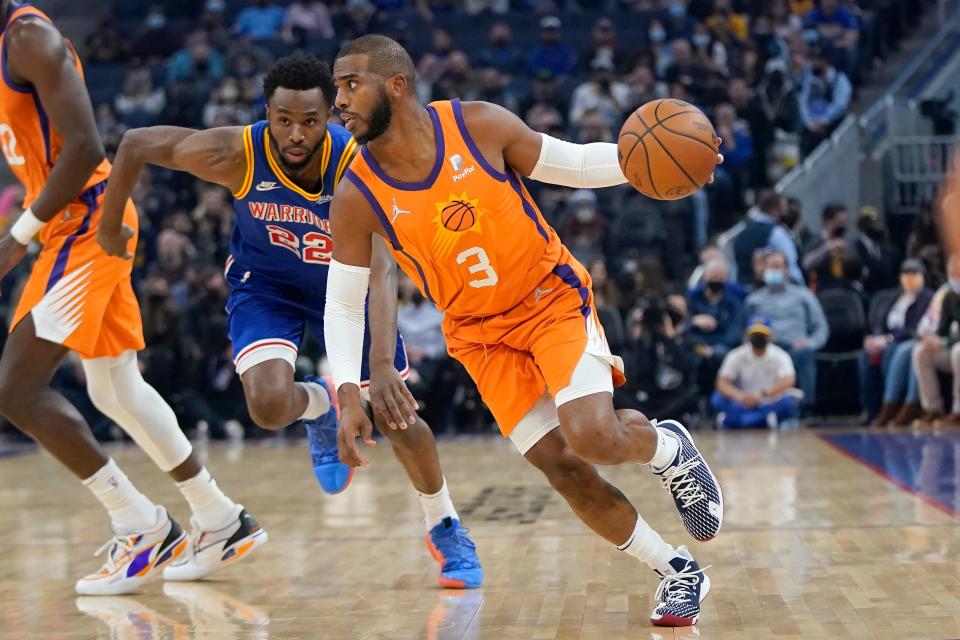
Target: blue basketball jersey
{"points": [[281, 231]]}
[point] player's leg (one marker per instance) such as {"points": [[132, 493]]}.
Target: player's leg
{"points": [[274, 399]]}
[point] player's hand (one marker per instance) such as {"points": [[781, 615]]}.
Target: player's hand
{"points": [[115, 243], [11, 252], [354, 424], [719, 159], [390, 398]]}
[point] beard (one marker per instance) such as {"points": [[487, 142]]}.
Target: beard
{"points": [[285, 164], [379, 120]]}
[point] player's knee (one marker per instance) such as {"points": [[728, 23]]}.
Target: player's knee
{"points": [[270, 406], [568, 474], [589, 438]]}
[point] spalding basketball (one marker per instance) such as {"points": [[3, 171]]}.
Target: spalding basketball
{"points": [[667, 149], [458, 216]]}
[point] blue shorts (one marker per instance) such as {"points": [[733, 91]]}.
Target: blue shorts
{"points": [[266, 320]]}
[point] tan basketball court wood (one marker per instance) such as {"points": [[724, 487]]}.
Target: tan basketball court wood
{"points": [[814, 545]]}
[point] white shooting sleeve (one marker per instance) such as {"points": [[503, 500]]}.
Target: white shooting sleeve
{"points": [[343, 320], [583, 166]]}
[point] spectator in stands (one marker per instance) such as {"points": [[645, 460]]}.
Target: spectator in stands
{"points": [[475, 7], [878, 255], [495, 88], [110, 128], [762, 229], [603, 43], [795, 225], [139, 104], [831, 260], [582, 225], [551, 57], [156, 38], [737, 145], [797, 320], [357, 20], [594, 127], [602, 93], [710, 52], [825, 94], [897, 323], [262, 20], [924, 243], [677, 22], [107, 44], [605, 289], [196, 62], [941, 351], [458, 79], [644, 86], [305, 19], [442, 45], [755, 385], [837, 33], [716, 318], [778, 98], [501, 53], [687, 70]]}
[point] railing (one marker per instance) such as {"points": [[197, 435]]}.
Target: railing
{"points": [[918, 166]]}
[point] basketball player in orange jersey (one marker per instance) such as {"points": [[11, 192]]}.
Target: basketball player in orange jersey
{"points": [[442, 186], [78, 298]]}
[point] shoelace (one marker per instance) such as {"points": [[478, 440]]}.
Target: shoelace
{"points": [[678, 588], [683, 484], [446, 540], [124, 541]]}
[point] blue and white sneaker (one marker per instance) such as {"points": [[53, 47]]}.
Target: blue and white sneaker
{"points": [[334, 476], [680, 594], [696, 491], [450, 545]]}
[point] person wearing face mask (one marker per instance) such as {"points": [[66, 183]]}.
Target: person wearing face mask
{"points": [[676, 20], [761, 229], [878, 255], [825, 95], [582, 225], [832, 261], [898, 323], [755, 382], [941, 352], [602, 93], [716, 318], [797, 319]]}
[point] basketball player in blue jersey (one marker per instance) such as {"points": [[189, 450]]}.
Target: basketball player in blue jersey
{"points": [[282, 172]]}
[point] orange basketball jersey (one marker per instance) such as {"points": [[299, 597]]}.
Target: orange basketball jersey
{"points": [[469, 236], [30, 144]]}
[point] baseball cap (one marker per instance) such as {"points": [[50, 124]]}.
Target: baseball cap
{"points": [[759, 323], [912, 266]]}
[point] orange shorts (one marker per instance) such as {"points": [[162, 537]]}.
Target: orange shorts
{"points": [[79, 296], [515, 356]]}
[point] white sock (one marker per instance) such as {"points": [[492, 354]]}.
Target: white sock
{"points": [[438, 506], [129, 510], [212, 509], [318, 401], [667, 447], [648, 547]]}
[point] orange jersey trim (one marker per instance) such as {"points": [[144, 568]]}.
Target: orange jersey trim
{"points": [[287, 182], [248, 156]]}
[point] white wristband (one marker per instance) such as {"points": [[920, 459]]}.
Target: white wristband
{"points": [[26, 227]]}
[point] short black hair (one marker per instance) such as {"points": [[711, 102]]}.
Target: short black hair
{"points": [[300, 72], [831, 211], [385, 56]]}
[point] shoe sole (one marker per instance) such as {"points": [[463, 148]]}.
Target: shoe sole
{"points": [[177, 549], [675, 621], [448, 583], [346, 485], [244, 548], [689, 437]]}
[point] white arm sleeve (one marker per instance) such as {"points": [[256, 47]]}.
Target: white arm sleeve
{"points": [[344, 321], [583, 166]]}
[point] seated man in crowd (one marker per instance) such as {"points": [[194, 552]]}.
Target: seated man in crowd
{"points": [[716, 318], [797, 318], [941, 351], [897, 324], [755, 383]]}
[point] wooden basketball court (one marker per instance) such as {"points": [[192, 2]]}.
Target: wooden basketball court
{"points": [[844, 536]]}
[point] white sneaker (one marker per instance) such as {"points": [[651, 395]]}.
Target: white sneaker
{"points": [[126, 617], [134, 558], [210, 610], [211, 550]]}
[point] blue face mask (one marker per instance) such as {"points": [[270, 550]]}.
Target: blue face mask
{"points": [[678, 10], [657, 35], [773, 277], [701, 40]]}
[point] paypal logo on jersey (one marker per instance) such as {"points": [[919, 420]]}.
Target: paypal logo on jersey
{"points": [[456, 161]]}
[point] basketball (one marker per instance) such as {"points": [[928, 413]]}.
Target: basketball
{"points": [[667, 149], [458, 216]]}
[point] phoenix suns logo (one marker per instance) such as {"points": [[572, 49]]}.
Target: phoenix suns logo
{"points": [[455, 215]]}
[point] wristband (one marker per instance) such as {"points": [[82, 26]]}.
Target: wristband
{"points": [[26, 227]]}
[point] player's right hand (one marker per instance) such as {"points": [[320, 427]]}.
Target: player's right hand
{"points": [[115, 243], [392, 402], [354, 424]]}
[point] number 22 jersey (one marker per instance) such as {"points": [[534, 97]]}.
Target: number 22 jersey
{"points": [[282, 231]]}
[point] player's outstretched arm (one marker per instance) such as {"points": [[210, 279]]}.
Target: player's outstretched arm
{"points": [[214, 155], [344, 318]]}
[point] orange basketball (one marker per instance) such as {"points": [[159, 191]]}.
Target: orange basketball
{"points": [[667, 149]]}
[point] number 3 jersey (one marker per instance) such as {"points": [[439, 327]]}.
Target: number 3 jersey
{"points": [[469, 235], [281, 231]]}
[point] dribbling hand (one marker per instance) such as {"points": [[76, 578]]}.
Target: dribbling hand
{"points": [[114, 243], [354, 424]]}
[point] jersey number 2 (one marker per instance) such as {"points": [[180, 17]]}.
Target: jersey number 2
{"points": [[481, 265], [316, 246]]}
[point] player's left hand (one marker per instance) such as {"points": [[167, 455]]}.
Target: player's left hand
{"points": [[354, 424], [390, 398], [11, 252], [115, 243]]}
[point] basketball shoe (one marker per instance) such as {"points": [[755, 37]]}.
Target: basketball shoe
{"points": [[126, 617], [133, 558], [212, 550], [450, 545], [216, 615], [680, 594], [696, 491], [333, 476]]}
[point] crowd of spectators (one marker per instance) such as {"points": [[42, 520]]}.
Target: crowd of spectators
{"points": [[775, 77]]}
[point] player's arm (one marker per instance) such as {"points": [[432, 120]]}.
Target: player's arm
{"points": [[214, 155], [390, 398], [352, 226], [37, 55]]}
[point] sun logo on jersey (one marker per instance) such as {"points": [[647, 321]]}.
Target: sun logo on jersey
{"points": [[455, 215]]}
